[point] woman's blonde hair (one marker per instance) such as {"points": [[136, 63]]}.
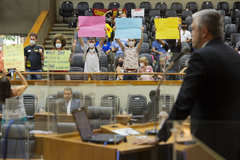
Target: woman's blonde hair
{"points": [[144, 60]]}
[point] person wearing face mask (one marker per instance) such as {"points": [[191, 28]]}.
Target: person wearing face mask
{"points": [[119, 13], [145, 68], [34, 54], [1, 58], [109, 17], [131, 54], [185, 34], [59, 41], [91, 54], [120, 68]]}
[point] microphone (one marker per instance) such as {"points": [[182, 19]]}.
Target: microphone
{"points": [[186, 49]]}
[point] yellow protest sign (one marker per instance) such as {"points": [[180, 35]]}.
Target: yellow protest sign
{"points": [[56, 60], [14, 57], [108, 30], [167, 28]]}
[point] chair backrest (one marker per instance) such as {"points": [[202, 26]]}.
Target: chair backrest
{"points": [[128, 6], [137, 104], [96, 112], [88, 12], [223, 6], [147, 7], [144, 48], [170, 13], [235, 37], [76, 77], [183, 60], [193, 6], [236, 5], [154, 12], [223, 13], [17, 141], [98, 5], [186, 13], [50, 100], [103, 76], [189, 20], [113, 5], [234, 14], [190, 28], [110, 100], [78, 60], [66, 128], [207, 5], [76, 94], [87, 101], [103, 61], [81, 8], [67, 7], [229, 29], [177, 6], [227, 20], [162, 6], [29, 101]]}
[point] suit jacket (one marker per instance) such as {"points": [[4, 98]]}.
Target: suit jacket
{"points": [[75, 104], [210, 94]]}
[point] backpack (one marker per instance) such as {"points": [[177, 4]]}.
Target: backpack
{"points": [[89, 49], [73, 23]]}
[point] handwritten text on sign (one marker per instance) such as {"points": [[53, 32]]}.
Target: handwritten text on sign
{"points": [[14, 57], [56, 60]]}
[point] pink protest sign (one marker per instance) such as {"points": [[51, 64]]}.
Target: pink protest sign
{"points": [[91, 26]]}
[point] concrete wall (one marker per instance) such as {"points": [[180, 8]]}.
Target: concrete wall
{"points": [[153, 3], [18, 16]]}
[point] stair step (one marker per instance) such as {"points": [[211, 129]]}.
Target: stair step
{"points": [[60, 25], [67, 36], [62, 29], [69, 41], [62, 32]]}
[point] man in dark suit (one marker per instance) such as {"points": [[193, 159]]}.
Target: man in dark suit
{"points": [[67, 104], [210, 91]]}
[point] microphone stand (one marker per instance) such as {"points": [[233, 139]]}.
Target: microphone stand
{"points": [[157, 99]]}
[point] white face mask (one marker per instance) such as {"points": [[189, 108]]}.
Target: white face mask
{"points": [[131, 43], [120, 12], [58, 45], [32, 42], [142, 64], [91, 45], [1, 48]]}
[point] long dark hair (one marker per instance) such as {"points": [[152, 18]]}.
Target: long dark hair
{"points": [[5, 89]]}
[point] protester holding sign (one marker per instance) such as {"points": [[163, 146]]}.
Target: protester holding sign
{"points": [[131, 54], [33, 55], [59, 41]]}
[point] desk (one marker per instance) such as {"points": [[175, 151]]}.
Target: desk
{"points": [[68, 145]]}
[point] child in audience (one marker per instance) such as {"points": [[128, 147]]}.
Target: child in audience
{"points": [[145, 68], [120, 68]]}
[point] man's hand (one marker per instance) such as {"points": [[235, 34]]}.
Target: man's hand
{"points": [[146, 141]]}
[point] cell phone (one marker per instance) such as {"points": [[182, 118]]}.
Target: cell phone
{"points": [[11, 70]]}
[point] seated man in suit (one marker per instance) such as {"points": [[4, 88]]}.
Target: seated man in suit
{"points": [[67, 104]]}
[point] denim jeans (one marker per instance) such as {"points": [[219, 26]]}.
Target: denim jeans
{"points": [[130, 77], [34, 76]]}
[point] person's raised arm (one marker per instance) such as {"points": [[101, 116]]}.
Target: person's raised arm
{"points": [[80, 39], [141, 40], [102, 41], [118, 40], [20, 89]]}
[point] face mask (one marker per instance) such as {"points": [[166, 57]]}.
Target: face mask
{"points": [[32, 42], [184, 27], [58, 45], [91, 45], [0, 48], [120, 63], [120, 12], [131, 43], [142, 64]]}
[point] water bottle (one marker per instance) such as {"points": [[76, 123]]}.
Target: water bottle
{"points": [[163, 115]]}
